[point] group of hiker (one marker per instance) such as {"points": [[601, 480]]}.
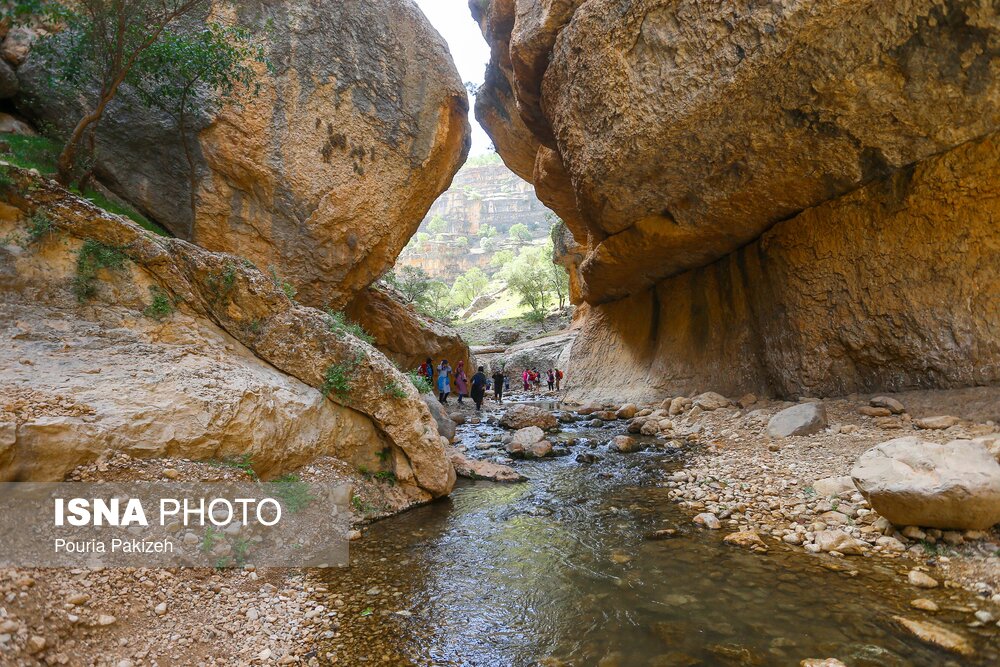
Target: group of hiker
{"points": [[477, 386], [532, 378]]}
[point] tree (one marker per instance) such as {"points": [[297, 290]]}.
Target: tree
{"points": [[437, 224], [519, 232], [487, 232], [202, 68], [102, 46], [558, 279], [502, 258], [527, 275], [468, 286], [437, 300], [488, 245], [412, 282], [462, 242]]}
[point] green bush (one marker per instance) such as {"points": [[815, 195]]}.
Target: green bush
{"points": [[39, 226], [93, 257], [340, 325], [161, 306], [283, 285], [393, 390], [421, 382], [338, 379]]}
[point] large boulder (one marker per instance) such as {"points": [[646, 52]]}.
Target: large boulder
{"points": [[522, 416], [446, 426], [237, 369], [915, 483], [587, 79], [404, 335], [742, 211], [801, 419], [326, 173]]}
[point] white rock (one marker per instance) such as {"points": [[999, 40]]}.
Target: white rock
{"points": [[833, 486], [915, 483], [802, 419]]}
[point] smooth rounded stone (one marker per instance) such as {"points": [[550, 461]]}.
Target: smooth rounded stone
{"points": [[36, 644], [160, 609], [625, 444], [710, 401], [921, 579], [938, 423], [707, 520], [662, 534], [526, 436], [587, 457], [923, 604], [890, 543], [596, 423], [821, 662], [635, 426], [746, 539], [870, 411], [627, 411], [913, 533], [650, 427], [984, 616], [802, 419], [839, 541], [522, 416], [679, 405], [833, 486], [911, 482], [935, 634], [458, 417], [889, 403]]}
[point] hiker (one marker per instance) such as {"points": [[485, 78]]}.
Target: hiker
{"points": [[526, 379], [427, 369], [461, 382], [498, 383], [550, 379], [479, 388], [536, 378], [444, 381], [559, 377]]}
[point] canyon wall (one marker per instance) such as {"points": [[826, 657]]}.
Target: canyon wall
{"points": [[227, 365], [326, 172], [792, 198]]}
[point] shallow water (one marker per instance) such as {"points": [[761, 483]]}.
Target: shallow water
{"points": [[558, 568]]}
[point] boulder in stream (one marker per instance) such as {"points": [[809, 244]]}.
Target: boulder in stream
{"points": [[522, 416]]}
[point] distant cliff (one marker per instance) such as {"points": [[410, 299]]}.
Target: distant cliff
{"points": [[481, 196]]}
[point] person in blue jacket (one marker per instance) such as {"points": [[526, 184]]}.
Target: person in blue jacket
{"points": [[444, 381]]}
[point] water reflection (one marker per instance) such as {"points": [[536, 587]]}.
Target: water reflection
{"points": [[558, 570]]}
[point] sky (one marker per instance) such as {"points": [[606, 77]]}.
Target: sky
{"points": [[453, 20]]}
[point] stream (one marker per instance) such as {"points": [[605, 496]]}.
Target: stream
{"points": [[558, 571]]}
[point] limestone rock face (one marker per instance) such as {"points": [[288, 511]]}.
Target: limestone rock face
{"points": [[327, 172], [782, 198], [235, 371], [915, 483], [404, 335], [888, 288], [676, 156]]}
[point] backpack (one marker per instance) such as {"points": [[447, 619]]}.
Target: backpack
{"points": [[559, 375]]}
